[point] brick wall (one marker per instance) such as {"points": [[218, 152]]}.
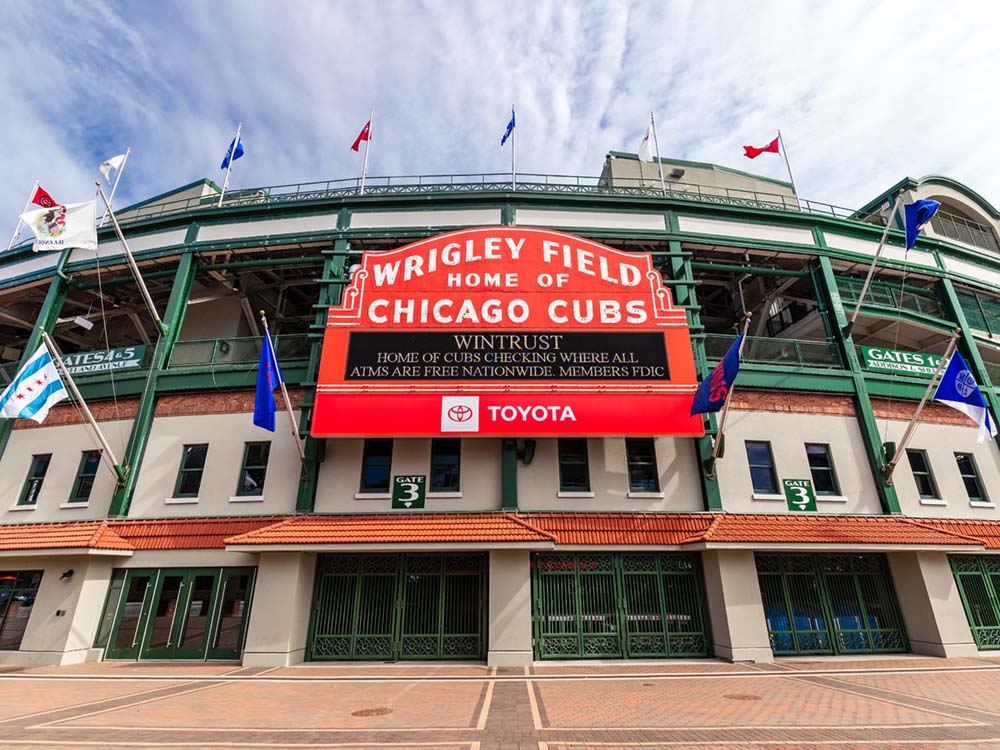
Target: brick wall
{"points": [[66, 414], [843, 406], [932, 413]]}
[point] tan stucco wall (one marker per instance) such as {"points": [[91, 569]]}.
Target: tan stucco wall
{"points": [[279, 614], [66, 443], [941, 443], [510, 608], [187, 558], [626, 171], [220, 318], [225, 435], [788, 434], [735, 609], [340, 476]]}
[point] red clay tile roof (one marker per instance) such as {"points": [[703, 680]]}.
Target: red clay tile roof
{"points": [[396, 528], [622, 528], [73, 535], [187, 533], [988, 531], [779, 529]]}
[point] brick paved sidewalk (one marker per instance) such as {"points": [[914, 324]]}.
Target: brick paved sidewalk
{"points": [[905, 703]]}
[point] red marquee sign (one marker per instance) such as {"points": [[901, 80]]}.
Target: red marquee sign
{"points": [[506, 331]]}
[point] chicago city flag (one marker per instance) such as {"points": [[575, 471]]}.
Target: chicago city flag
{"points": [[58, 227], [959, 390], [34, 390]]}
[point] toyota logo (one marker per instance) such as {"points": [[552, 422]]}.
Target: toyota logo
{"points": [[460, 413]]}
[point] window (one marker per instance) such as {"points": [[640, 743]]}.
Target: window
{"points": [[762, 473], [36, 475], [254, 469], [17, 597], [970, 475], [84, 483], [921, 469], [192, 468], [821, 467], [640, 453], [574, 465], [376, 465], [446, 464]]}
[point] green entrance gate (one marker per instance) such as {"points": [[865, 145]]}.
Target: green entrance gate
{"points": [[618, 605], [830, 604], [390, 607], [978, 579]]}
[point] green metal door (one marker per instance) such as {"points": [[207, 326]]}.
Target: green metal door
{"points": [[611, 605], [131, 614], [830, 604], [390, 607], [978, 579]]}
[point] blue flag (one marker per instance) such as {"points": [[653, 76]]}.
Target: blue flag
{"points": [[712, 392], [917, 214], [510, 129], [230, 154], [959, 390], [268, 378]]}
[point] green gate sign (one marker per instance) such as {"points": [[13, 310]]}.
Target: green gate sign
{"points": [[799, 494], [408, 491], [894, 360], [122, 358]]}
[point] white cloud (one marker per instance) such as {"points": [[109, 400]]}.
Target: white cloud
{"points": [[863, 93]]}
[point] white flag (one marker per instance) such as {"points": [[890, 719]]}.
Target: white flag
{"points": [[59, 227], [35, 388], [114, 162], [646, 147]]}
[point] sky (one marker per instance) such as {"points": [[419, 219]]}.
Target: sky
{"points": [[865, 93]]}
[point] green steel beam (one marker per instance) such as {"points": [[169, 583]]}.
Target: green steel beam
{"points": [[173, 318], [705, 266], [835, 320]]}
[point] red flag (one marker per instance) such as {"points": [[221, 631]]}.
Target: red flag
{"points": [[43, 199], [364, 135], [752, 152]]}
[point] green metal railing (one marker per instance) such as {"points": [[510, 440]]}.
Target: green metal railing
{"points": [[760, 350], [965, 230], [886, 295], [237, 351], [978, 579]]}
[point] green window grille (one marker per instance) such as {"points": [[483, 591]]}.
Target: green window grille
{"points": [[254, 469], [978, 579], [574, 465], [640, 454], [33, 482], [762, 471], [376, 465], [922, 475], [191, 471], [970, 477], [981, 311], [824, 476], [18, 590], [84, 484], [446, 464]]}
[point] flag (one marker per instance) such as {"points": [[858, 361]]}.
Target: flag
{"points": [[268, 378], [364, 135], [43, 199], [917, 214], [752, 152], [510, 129], [34, 390], [115, 162], [712, 393], [646, 147], [235, 154], [959, 390], [60, 227]]}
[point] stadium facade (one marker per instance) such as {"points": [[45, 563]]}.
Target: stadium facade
{"points": [[466, 494]]}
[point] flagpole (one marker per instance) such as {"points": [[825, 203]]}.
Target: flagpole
{"points": [[871, 269], [368, 143], [657, 144], [17, 228], [56, 355], [229, 167], [284, 394], [513, 152], [131, 261], [901, 446], [111, 198], [784, 153], [719, 436]]}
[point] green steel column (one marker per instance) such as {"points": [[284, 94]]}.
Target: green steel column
{"points": [[970, 347], [508, 474], [828, 295], [173, 318], [47, 316]]}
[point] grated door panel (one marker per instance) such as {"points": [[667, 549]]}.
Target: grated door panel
{"points": [[978, 579]]}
